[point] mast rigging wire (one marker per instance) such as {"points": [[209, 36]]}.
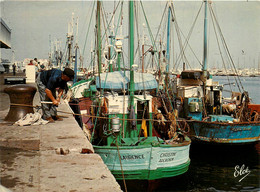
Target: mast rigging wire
{"points": [[219, 47], [182, 48], [226, 48]]}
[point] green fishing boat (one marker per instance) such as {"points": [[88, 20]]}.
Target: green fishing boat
{"points": [[124, 136], [149, 160], [119, 113]]}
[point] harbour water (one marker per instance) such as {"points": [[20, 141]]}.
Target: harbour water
{"points": [[215, 168], [250, 84]]}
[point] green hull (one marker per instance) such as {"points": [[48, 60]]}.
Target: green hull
{"points": [[153, 174], [146, 162]]}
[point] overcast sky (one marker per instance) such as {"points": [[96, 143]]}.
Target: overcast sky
{"points": [[34, 22]]}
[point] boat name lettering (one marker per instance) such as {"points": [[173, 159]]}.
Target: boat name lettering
{"points": [[131, 157], [166, 160], [167, 154], [241, 129]]}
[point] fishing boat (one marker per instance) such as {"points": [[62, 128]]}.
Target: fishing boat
{"points": [[211, 119], [118, 110], [124, 138]]}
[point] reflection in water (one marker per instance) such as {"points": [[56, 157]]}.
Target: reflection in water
{"points": [[212, 169]]}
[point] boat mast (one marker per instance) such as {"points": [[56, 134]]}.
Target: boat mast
{"points": [[99, 36], [131, 51], [168, 45], [168, 40], [133, 131], [143, 51], [112, 42], [119, 42], [119, 51], [50, 53], [70, 41], [76, 55], [204, 67], [159, 57]]}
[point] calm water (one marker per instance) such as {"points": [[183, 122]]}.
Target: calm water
{"points": [[250, 84], [212, 167]]}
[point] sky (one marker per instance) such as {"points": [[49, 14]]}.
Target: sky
{"points": [[35, 23]]}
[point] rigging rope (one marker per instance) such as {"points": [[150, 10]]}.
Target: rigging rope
{"points": [[182, 54], [226, 47], [150, 32], [164, 12], [120, 18], [90, 20], [138, 37], [110, 20], [91, 116], [121, 165], [105, 19], [182, 48], [191, 48], [219, 48]]}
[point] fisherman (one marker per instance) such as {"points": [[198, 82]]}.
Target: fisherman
{"points": [[14, 69], [36, 64], [31, 62], [42, 67], [47, 82]]}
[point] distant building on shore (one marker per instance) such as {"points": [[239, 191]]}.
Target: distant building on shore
{"points": [[5, 35], [5, 42]]}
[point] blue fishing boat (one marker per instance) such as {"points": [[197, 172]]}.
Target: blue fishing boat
{"points": [[211, 118], [224, 132]]}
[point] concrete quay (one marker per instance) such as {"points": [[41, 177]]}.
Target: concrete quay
{"points": [[48, 157]]}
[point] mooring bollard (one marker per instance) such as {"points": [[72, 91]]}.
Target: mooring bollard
{"points": [[21, 99]]}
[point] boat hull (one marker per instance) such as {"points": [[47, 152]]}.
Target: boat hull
{"points": [[145, 163], [225, 133]]}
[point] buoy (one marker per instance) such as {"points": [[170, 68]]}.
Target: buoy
{"points": [[115, 124]]}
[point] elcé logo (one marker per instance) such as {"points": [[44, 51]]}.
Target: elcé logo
{"points": [[241, 171]]}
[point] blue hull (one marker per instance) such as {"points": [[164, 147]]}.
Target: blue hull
{"points": [[225, 133]]}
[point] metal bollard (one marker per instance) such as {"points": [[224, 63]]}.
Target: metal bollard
{"points": [[23, 96]]}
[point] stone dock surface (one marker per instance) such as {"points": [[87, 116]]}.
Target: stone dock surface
{"points": [[49, 157]]}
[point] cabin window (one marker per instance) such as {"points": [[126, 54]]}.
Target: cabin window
{"points": [[216, 98], [142, 110]]}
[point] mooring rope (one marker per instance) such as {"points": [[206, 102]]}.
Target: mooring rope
{"points": [[94, 116], [121, 165]]}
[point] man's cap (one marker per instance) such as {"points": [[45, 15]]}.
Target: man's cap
{"points": [[69, 72]]}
